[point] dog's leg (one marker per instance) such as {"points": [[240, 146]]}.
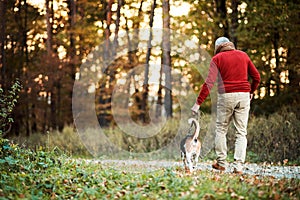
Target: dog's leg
{"points": [[189, 161], [197, 158], [183, 157], [195, 161]]}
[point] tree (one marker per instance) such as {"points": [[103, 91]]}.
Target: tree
{"points": [[221, 18], [72, 60], [132, 55], [293, 49], [144, 116], [271, 45], [109, 67], [234, 21], [167, 58], [3, 4]]}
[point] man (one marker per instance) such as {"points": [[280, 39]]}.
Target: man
{"points": [[232, 68]]}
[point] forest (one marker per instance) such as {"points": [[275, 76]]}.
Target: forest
{"points": [[95, 96], [112, 62]]}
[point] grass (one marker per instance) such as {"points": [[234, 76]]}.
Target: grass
{"points": [[27, 174], [43, 166]]}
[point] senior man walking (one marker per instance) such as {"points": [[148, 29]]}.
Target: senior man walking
{"points": [[232, 68]]}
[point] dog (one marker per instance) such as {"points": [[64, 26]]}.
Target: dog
{"points": [[190, 147]]}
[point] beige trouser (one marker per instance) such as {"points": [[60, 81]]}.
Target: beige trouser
{"points": [[232, 106]]}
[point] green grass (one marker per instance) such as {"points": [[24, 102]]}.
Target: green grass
{"points": [[38, 174]]}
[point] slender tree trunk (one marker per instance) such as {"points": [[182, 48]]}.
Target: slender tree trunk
{"points": [[72, 58], [134, 42], [72, 49], [130, 57], [111, 68], [45, 113], [222, 15], [60, 114], [104, 99], [277, 61], [293, 63], [3, 4], [116, 44], [107, 31], [25, 29], [25, 74], [49, 17], [53, 108], [293, 58], [159, 94], [136, 31], [234, 21], [144, 116], [167, 58], [50, 59]]}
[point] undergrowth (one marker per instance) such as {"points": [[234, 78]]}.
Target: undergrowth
{"points": [[27, 174], [272, 138]]}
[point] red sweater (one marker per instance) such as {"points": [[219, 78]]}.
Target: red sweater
{"points": [[232, 69]]}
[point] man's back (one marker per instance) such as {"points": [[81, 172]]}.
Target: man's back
{"points": [[234, 66]]}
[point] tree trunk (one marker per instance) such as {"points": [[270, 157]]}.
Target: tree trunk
{"points": [[49, 17], [111, 55], [145, 117], [136, 26], [107, 32], [104, 99], [3, 4], [167, 58], [222, 17], [159, 94], [49, 46], [293, 62], [59, 107], [116, 44], [53, 108], [25, 74], [277, 61], [234, 21], [73, 62]]}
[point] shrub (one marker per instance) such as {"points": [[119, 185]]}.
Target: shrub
{"points": [[276, 137], [272, 138], [68, 141], [8, 102]]}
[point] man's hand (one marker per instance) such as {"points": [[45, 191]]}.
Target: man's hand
{"points": [[195, 109], [251, 96]]}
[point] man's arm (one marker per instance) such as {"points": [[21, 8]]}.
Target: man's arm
{"points": [[209, 83]]}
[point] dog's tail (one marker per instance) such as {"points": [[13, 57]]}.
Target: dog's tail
{"points": [[195, 122]]}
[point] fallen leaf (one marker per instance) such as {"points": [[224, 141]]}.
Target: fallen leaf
{"points": [[260, 193], [217, 177], [233, 195]]}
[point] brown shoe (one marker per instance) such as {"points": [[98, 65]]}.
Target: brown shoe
{"points": [[235, 171], [218, 167]]}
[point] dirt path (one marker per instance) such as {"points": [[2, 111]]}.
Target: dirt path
{"points": [[250, 168]]}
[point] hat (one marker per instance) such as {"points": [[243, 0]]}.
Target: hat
{"points": [[220, 41]]}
